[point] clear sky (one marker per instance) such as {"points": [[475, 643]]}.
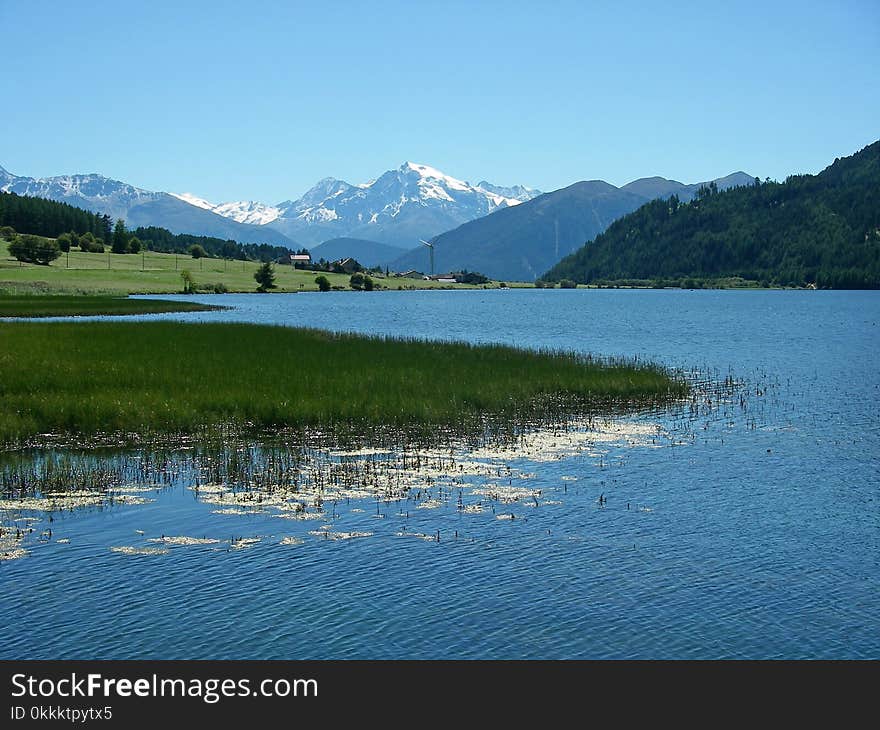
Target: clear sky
{"points": [[259, 100]]}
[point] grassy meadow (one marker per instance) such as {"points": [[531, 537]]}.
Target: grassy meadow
{"points": [[159, 273], [60, 305], [148, 379]]}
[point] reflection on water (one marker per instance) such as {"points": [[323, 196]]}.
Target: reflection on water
{"points": [[297, 483]]}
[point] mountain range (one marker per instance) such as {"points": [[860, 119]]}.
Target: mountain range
{"points": [[520, 243], [398, 208], [512, 232], [139, 207]]}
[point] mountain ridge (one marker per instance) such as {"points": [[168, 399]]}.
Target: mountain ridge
{"points": [[811, 230], [520, 243], [139, 207], [368, 253], [397, 208]]}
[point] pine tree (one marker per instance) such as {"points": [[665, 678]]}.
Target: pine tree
{"points": [[265, 277], [105, 228], [120, 237]]}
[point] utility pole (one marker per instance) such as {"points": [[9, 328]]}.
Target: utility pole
{"points": [[557, 238], [431, 248]]}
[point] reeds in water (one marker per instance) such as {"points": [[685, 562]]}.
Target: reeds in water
{"points": [[120, 382]]}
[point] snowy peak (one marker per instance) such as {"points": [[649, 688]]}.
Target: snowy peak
{"points": [[376, 209], [193, 200], [329, 187], [400, 206], [430, 176], [91, 191], [436, 184], [248, 211], [241, 211], [514, 192], [184, 213], [411, 200], [87, 186]]}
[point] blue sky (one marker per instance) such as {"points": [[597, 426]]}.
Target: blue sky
{"points": [[259, 100]]}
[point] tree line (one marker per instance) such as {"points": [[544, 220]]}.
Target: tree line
{"points": [[93, 232], [49, 218], [811, 230], [164, 241]]}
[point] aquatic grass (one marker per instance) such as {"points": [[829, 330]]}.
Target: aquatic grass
{"points": [[29, 305], [149, 379], [297, 472], [30, 472]]}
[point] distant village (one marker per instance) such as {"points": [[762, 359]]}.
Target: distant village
{"points": [[303, 260]]}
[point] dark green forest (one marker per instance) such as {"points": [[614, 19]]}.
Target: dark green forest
{"points": [[51, 219], [164, 241], [821, 230]]}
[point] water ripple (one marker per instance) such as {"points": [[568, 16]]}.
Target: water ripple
{"points": [[757, 539]]}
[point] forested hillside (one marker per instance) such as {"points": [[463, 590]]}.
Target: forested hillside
{"points": [[821, 230], [49, 218]]}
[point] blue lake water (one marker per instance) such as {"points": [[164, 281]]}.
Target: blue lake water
{"points": [[758, 537]]}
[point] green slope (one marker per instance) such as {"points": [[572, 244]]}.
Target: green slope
{"points": [[821, 230]]}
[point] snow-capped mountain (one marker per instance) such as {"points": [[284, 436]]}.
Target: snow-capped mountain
{"points": [[194, 200], [93, 191], [323, 190], [516, 192], [249, 211], [139, 207], [243, 211], [398, 208]]}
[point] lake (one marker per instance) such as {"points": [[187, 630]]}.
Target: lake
{"points": [[754, 532]]}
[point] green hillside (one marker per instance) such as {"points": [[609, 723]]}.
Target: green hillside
{"points": [[821, 230]]}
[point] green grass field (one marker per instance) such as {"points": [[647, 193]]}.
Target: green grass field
{"points": [[60, 305], [156, 378], [159, 273]]}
